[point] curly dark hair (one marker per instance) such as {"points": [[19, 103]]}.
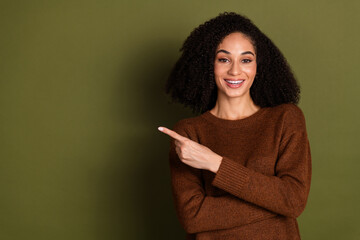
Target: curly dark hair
{"points": [[192, 82]]}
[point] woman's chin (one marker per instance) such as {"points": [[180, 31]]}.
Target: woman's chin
{"points": [[231, 95]]}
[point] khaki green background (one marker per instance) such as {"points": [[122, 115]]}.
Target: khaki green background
{"points": [[81, 96]]}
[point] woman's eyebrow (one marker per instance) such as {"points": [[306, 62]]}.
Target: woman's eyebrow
{"points": [[248, 52], [227, 52], [224, 51]]}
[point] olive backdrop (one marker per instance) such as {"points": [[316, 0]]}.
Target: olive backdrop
{"points": [[81, 96]]}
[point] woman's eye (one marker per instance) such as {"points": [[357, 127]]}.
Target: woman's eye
{"points": [[223, 60], [246, 60]]}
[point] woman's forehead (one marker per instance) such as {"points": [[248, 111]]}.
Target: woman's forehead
{"points": [[236, 41]]}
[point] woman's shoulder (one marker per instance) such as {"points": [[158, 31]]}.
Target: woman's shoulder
{"points": [[290, 114], [188, 126]]}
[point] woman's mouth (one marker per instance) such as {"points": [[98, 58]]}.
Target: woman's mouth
{"points": [[234, 83]]}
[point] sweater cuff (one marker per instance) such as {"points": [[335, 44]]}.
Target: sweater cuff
{"points": [[231, 176]]}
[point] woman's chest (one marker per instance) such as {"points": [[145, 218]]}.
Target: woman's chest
{"points": [[244, 144], [256, 149]]}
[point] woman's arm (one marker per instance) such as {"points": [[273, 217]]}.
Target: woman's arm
{"points": [[285, 193], [198, 212]]}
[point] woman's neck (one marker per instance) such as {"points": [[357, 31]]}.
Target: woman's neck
{"points": [[234, 108]]}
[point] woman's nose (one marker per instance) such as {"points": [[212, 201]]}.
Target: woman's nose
{"points": [[235, 69]]}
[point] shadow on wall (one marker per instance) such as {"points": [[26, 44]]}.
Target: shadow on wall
{"points": [[138, 191]]}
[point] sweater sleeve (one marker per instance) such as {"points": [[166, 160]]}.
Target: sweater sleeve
{"points": [[285, 193], [198, 212]]}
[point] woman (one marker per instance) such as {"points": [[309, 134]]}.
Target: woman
{"points": [[241, 169]]}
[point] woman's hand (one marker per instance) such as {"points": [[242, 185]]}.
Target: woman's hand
{"points": [[194, 154]]}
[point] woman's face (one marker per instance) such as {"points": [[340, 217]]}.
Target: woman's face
{"points": [[235, 67]]}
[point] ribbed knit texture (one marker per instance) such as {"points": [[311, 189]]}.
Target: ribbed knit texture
{"points": [[263, 181]]}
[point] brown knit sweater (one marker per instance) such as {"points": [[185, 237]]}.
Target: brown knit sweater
{"points": [[263, 181]]}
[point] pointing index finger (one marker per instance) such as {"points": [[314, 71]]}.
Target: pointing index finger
{"points": [[171, 133]]}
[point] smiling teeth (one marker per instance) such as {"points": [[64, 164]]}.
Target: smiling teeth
{"points": [[234, 82]]}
